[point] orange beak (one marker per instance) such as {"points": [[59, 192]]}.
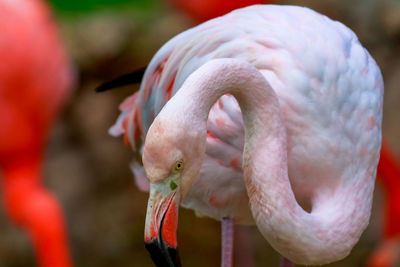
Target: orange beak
{"points": [[161, 225]]}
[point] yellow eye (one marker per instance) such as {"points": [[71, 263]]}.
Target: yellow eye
{"points": [[179, 165]]}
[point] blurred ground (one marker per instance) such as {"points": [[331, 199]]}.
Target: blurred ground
{"points": [[88, 170]]}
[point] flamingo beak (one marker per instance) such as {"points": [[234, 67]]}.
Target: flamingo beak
{"points": [[161, 225]]}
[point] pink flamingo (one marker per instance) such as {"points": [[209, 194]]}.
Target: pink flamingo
{"points": [[388, 252], [311, 100], [34, 81], [388, 168]]}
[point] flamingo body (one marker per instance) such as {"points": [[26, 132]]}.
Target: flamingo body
{"points": [[30, 76], [35, 80], [330, 96]]}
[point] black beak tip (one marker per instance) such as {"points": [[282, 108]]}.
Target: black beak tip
{"points": [[163, 255], [100, 89], [127, 79], [174, 256]]}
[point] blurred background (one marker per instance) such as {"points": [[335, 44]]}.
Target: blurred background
{"points": [[88, 170]]}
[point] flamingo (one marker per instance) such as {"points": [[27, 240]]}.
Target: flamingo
{"points": [[388, 251], [388, 168], [249, 118], [203, 10], [35, 80]]}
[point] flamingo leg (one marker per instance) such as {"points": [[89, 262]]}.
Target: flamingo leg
{"points": [[286, 263], [227, 242]]}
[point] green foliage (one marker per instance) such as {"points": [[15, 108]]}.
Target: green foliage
{"points": [[78, 6]]}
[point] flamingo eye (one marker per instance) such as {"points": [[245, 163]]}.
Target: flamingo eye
{"points": [[179, 165]]}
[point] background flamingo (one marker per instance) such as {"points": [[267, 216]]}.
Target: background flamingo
{"points": [[165, 76], [34, 82], [200, 11], [388, 251]]}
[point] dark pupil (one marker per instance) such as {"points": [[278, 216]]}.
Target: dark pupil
{"points": [[178, 165]]}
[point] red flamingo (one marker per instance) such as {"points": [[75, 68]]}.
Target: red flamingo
{"points": [[203, 10], [35, 79], [388, 252]]}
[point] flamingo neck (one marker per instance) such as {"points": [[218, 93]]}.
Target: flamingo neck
{"points": [[27, 166], [327, 233]]}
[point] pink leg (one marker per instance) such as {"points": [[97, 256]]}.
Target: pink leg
{"points": [[286, 263], [227, 242]]}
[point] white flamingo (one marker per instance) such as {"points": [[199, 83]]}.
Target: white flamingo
{"points": [[311, 100]]}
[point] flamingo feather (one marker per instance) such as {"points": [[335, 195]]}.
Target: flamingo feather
{"points": [[291, 88]]}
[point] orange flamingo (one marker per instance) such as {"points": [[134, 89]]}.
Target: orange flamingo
{"points": [[35, 79]]}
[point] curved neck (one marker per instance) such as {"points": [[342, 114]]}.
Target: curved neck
{"points": [[308, 238]]}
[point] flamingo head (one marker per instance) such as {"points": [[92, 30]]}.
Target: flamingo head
{"points": [[172, 157]]}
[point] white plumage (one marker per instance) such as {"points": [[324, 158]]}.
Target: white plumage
{"points": [[330, 95]]}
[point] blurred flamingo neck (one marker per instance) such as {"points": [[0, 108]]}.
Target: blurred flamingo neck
{"points": [[28, 166], [325, 235]]}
